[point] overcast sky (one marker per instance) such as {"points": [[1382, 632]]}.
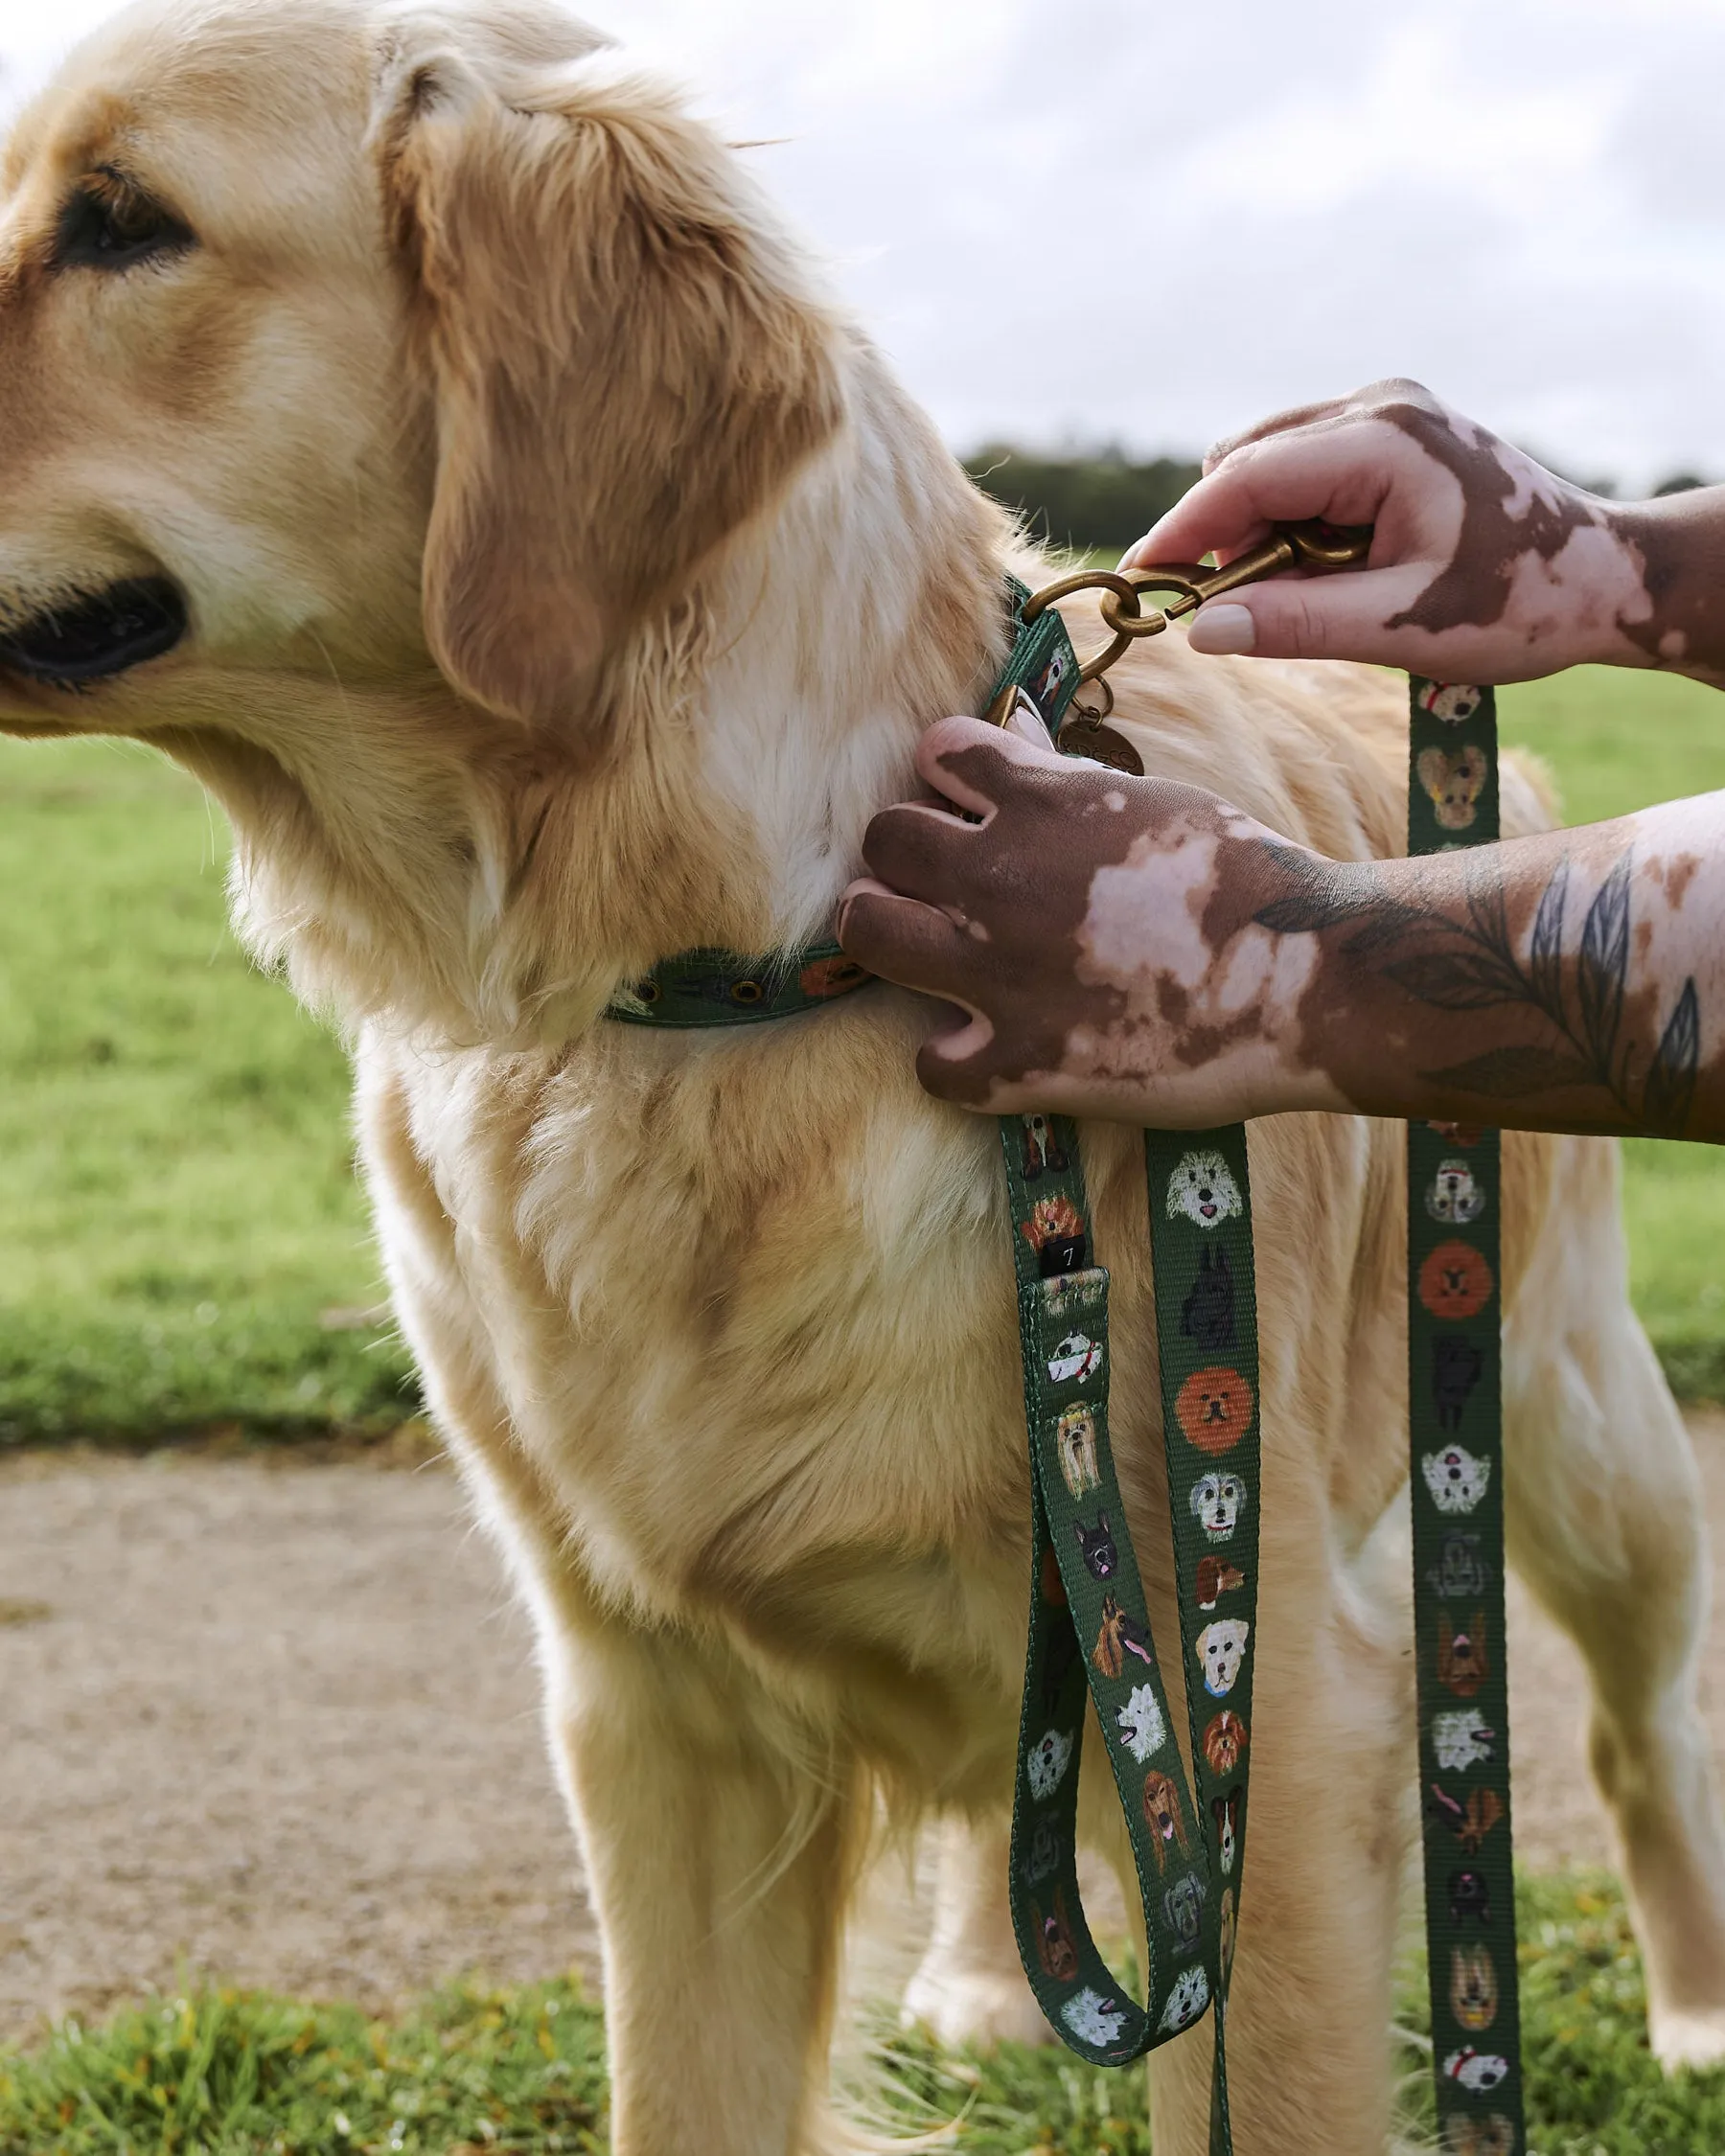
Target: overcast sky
{"points": [[1107, 220]]}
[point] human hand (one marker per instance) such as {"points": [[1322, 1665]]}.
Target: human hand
{"points": [[1097, 932], [1483, 566]]}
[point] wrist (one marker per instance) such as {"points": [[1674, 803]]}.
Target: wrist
{"points": [[1296, 889], [1670, 611]]}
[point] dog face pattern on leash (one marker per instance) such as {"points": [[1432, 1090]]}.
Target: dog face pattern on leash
{"points": [[1214, 1409], [1462, 1571], [1216, 1502], [1463, 1661], [1473, 1987], [1455, 1281], [1454, 1194], [1454, 1366], [1188, 1841], [1076, 1438]]}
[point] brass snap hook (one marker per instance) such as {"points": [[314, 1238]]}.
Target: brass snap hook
{"points": [[1312, 545]]}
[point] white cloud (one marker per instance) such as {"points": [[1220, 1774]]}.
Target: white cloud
{"points": [[1101, 218]]}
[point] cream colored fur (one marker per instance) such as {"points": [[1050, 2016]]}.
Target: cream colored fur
{"points": [[569, 581]]}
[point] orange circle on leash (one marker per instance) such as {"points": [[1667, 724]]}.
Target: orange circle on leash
{"points": [[1215, 1410], [1456, 1281]]}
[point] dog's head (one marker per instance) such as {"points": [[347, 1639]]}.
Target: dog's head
{"points": [[1224, 1741], [1469, 1895], [1203, 1189], [313, 309], [1452, 702], [1217, 1501], [1183, 1908], [1214, 1409], [1161, 1808], [1221, 1649], [1455, 1196], [1054, 1943], [1464, 1663], [1453, 783], [386, 391], [1473, 1987], [1455, 1477], [1186, 2001], [1045, 1762], [1225, 1810], [1455, 1281]]}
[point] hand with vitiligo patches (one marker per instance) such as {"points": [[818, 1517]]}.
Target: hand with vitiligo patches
{"points": [[1095, 928], [1483, 566], [1140, 950]]}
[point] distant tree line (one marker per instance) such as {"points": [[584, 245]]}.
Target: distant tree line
{"points": [[1104, 501]]}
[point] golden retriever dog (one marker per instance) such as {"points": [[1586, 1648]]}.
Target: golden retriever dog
{"points": [[421, 429]]}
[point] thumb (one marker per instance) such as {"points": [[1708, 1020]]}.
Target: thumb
{"points": [[1344, 615]]}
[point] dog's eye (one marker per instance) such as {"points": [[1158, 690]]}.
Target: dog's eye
{"points": [[109, 224]]}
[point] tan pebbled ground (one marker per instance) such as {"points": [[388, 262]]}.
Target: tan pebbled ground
{"points": [[278, 1723]]}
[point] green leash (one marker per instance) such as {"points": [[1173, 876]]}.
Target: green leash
{"points": [[1089, 1628], [1090, 1634], [1455, 1434]]}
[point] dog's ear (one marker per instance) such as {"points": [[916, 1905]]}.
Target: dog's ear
{"points": [[624, 368]]}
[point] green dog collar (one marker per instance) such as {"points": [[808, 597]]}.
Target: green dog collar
{"points": [[720, 988], [716, 988]]}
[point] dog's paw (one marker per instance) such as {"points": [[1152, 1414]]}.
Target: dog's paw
{"points": [[1681, 2040], [974, 2006]]}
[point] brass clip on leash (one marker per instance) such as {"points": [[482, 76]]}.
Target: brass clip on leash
{"points": [[1311, 545]]}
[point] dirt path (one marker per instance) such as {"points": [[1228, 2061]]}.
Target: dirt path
{"points": [[279, 1723]]}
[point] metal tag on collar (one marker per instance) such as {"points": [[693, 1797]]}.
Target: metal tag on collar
{"points": [[1082, 733], [1037, 695]]}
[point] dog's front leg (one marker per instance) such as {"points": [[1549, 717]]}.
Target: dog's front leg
{"points": [[969, 1987], [719, 1866]]}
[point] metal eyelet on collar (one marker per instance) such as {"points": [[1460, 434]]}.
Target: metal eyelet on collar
{"points": [[747, 992]]}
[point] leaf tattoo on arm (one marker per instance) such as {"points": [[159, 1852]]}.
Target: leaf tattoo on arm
{"points": [[1604, 967], [1545, 958], [1670, 1089], [1470, 964]]}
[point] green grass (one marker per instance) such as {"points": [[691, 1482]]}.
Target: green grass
{"points": [[178, 1209], [520, 2072], [232, 2073], [178, 1206]]}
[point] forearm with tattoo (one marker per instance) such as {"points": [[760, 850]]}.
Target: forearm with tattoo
{"points": [[1553, 983], [1132, 948]]}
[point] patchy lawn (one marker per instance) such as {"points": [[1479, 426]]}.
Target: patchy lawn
{"points": [[521, 2072]]}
